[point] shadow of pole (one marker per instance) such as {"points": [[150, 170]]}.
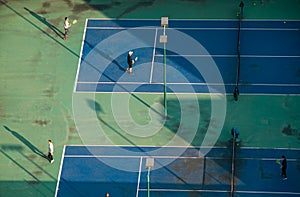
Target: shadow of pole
{"points": [[135, 145], [137, 6], [98, 109], [95, 105], [25, 170], [43, 31], [72, 190], [126, 90], [36, 165], [43, 20], [75, 54], [106, 56], [26, 142]]}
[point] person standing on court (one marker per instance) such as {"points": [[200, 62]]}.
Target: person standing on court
{"points": [[50, 151], [283, 167], [107, 195], [67, 25], [130, 61], [235, 133]]}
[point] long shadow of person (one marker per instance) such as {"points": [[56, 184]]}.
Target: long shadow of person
{"points": [[43, 20], [26, 142]]}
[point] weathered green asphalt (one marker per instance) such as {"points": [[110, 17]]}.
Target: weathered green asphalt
{"points": [[37, 77]]}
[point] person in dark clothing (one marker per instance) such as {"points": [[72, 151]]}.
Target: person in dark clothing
{"points": [[283, 167], [130, 61], [50, 152], [235, 133]]}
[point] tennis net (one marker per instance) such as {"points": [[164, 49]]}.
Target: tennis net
{"points": [[236, 89]]}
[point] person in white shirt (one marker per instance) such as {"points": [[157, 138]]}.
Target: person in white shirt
{"points": [[67, 25], [130, 61], [51, 151]]}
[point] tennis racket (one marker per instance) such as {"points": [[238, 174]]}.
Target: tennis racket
{"points": [[278, 161]]}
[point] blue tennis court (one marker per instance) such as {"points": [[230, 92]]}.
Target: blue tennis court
{"points": [[201, 56], [177, 171]]}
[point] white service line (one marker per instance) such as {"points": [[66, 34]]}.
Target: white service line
{"points": [[186, 190], [196, 84], [122, 28], [222, 191], [173, 157], [200, 28], [226, 56], [138, 156], [267, 192]]}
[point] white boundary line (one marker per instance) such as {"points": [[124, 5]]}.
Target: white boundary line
{"points": [[145, 146], [139, 177], [191, 147], [138, 156], [174, 157], [124, 19], [153, 56], [200, 28], [122, 28], [269, 29], [80, 56], [60, 170], [266, 192], [186, 190], [182, 19], [181, 157], [263, 159], [187, 93], [221, 191], [250, 147], [247, 20], [228, 56], [199, 84]]}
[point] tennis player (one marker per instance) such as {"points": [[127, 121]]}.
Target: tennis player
{"points": [[130, 61], [235, 133], [67, 25], [283, 167]]}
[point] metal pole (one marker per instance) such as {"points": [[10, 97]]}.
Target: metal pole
{"points": [[149, 165], [165, 76], [148, 181]]}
